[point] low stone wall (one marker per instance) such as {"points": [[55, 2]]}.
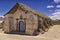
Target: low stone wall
{"points": [[56, 22]]}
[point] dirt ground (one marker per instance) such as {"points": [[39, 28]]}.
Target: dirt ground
{"points": [[52, 34]]}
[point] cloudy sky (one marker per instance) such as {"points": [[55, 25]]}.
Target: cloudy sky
{"points": [[50, 8]]}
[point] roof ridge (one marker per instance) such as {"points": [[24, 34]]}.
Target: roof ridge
{"points": [[25, 7]]}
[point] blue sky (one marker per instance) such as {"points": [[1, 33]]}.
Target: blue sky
{"points": [[47, 7]]}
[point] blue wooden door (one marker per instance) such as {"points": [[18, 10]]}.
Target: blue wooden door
{"points": [[21, 26]]}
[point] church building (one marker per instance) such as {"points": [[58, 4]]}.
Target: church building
{"points": [[24, 20]]}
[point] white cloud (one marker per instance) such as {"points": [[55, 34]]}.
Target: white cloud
{"points": [[2, 16], [50, 6], [1, 21], [55, 15], [56, 1], [58, 6], [58, 10]]}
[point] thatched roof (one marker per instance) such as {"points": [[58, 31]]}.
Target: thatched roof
{"points": [[24, 8]]}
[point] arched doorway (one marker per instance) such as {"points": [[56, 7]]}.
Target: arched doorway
{"points": [[21, 26]]}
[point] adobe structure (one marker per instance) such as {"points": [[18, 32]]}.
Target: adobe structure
{"points": [[24, 20], [1, 21]]}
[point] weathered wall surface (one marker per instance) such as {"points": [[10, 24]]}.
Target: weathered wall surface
{"points": [[31, 23], [6, 24], [1, 25], [31, 20]]}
